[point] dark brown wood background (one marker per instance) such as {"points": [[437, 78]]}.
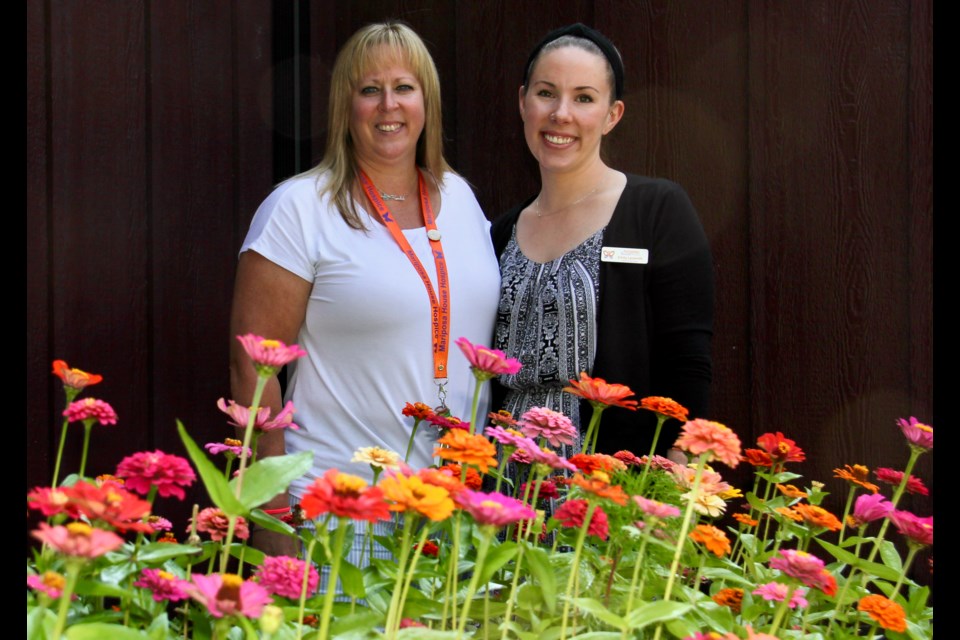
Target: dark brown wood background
{"points": [[803, 132]]}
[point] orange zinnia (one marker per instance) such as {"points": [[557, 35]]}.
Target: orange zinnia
{"points": [[791, 491], [730, 597], [411, 493], [601, 489], [667, 407], [743, 518], [74, 378], [600, 393], [473, 479], [789, 513], [444, 478], [886, 612], [817, 516], [857, 474], [462, 446], [712, 538]]}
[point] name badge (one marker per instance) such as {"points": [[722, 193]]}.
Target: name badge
{"points": [[624, 254]]}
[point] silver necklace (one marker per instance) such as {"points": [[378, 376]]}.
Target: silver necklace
{"points": [[572, 204], [390, 196]]}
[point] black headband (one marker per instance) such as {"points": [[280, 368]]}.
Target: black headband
{"points": [[581, 30]]}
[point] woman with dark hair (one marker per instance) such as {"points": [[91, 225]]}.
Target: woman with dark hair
{"points": [[603, 272]]}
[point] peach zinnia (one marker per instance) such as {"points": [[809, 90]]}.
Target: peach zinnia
{"points": [[701, 436]]}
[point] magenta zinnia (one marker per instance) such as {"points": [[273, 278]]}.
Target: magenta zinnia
{"points": [[701, 436], [893, 477], [917, 434], [90, 409], [486, 362], [869, 507], [167, 472], [493, 509], [918, 531], [283, 576], [806, 568], [228, 594], [164, 586]]}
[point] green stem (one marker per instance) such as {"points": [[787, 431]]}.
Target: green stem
{"points": [[846, 512], [87, 424], [474, 580], [413, 432], [394, 611], [473, 408], [408, 579], [636, 573], [303, 588], [63, 439], [248, 433], [653, 447], [328, 597], [570, 595], [73, 573], [589, 439], [781, 611], [914, 454]]}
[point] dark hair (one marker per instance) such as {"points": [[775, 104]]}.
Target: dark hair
{"points": [[580, 30]]}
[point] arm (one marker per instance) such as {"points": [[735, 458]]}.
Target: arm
{"points": [[268, 301]]}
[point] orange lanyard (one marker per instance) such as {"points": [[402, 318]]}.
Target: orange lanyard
{"points": [[439, 307]]}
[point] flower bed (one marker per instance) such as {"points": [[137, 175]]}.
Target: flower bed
{"points": [[596, 546]]}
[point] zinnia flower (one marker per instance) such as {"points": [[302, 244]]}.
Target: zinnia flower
{"points": [[572, 513], [163, 585], [917, 434], [429, 549], [228, 594], [413, 494], [886, 612], [666, 407], [917, 530], [781, 449], [628, 458], [472, 480], [213, 521], [50, 583], [229, 446], [655, 508], [74, 378], [493, 509], [49, 501], [110, 504], [601, 394], [240, 416], [167, 472], [777, 592], [744, 519], [448, 423], [713, 539], [791, 491], [269, 356], [701, 436], [816, 516], [418, 411], [486, 362], [706, 504], [729, 597], [869, 507], [345, 496], [77, 539], [857, 474], [462, 446], [553, 426], [806, 568], [893, 477], [601, 489], [283, 576], [502, 418], [377, 457], [90, 409]]}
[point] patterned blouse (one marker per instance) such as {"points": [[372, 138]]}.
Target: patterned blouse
{"points": [[547, 320]]}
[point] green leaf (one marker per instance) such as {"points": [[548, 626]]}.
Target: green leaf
{"points": [[258, 517], [40, 623], [267, 477], [100, 630], [352, 580], [870, 568], [496, 558], [597, 610], [652, 612], [216, 485], [155, 552], [538, 562]]}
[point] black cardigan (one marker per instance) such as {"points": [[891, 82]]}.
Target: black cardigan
{"points": [[655, 320]]}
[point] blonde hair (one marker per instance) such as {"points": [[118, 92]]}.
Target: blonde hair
{"points": [[358, 56]]}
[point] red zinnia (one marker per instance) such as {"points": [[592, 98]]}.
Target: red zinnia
{"points": [[74, 378], [345, 496], [780, 448], [572, 513]]}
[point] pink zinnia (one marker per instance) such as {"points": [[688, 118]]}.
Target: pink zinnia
{"points": [[917, 434], [656, 509], [486, 362], [553, 426], [510, 438], [167, 472], [240, 416], [806, 568], [870, 507], [49, 501], [447, 422], [628, 458], [493, 509], [777, 592], [572, 513], [893, 477], [283, 576], [90, 409], [228, 594], [550, 459], [215, 522], [50, 583], [918, 531], [701, 436], [546, 491], [227, 447], [269, 356], [77, 539], [164, 586]]}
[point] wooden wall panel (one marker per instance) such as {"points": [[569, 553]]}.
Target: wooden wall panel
{"points": [[99, 241]]}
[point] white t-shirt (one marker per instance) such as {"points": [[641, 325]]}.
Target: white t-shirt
{"points": [[367, 330]]}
